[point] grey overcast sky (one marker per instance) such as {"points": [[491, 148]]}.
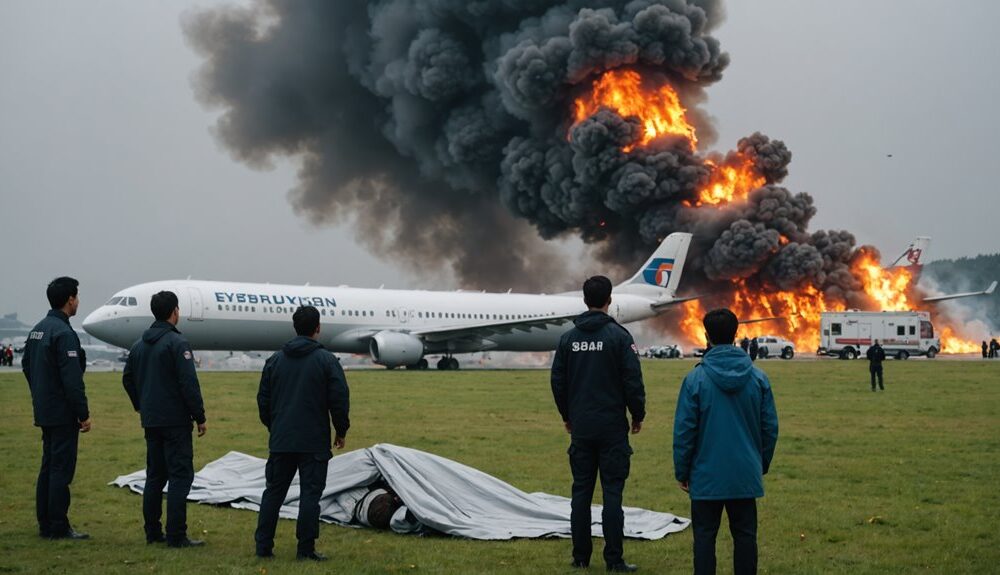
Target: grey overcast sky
{"points": [[109, 172]]}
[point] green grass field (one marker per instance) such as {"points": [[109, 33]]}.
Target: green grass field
{"points": [[903, 481]]}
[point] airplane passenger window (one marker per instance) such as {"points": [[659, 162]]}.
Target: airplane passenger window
{"points": [[220, 307]]}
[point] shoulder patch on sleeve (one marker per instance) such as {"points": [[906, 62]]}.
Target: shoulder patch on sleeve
{"points": [[71, 353], [187, 355], [635, 349]]}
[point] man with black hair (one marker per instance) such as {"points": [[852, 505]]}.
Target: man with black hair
{"points": [[725, 432], [596, 377], [161, 381], [876, 355], [51, 364], [302, 390]]}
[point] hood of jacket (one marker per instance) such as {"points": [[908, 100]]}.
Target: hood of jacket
{"points": [[592, 320], [157, 331], [728, 367], [301, 346]]}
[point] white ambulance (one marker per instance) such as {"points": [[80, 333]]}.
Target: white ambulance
{"points": [[849, 334]]}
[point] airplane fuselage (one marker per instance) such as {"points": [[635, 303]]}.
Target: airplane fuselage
{"points": [[247, 316]]}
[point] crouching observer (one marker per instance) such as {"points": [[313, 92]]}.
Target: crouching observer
{"points": [[725, 431], [302, 389]]}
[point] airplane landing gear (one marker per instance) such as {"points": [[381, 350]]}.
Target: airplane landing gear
{"points": [[447, 363], [422, 364]]}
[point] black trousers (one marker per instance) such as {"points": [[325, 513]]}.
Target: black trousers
{"points": [[706, 515], [169, 457], [609, 457], [876, 370], [59, 447], [280, 471]]}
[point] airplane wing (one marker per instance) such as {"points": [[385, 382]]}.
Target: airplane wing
{"points": [[987, 291], [487, 329], [760, 319], [661, 305]]}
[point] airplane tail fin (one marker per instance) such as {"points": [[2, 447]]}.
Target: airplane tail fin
{"points": [[913, 253], [660, 275]]}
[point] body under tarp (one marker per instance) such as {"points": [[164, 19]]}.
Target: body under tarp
{"points": [[438, 493]]}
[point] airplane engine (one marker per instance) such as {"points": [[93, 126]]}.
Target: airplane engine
{"points": [[393, 349]]}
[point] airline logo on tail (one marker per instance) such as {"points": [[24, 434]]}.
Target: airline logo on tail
{"points": [[658, 271], [913, 255]]}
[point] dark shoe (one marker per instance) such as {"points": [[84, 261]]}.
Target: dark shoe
{"points": [[579, 564], [265, 554], [311, 556], [622, 568], [71, 534], [185, 543], [161, 538]]}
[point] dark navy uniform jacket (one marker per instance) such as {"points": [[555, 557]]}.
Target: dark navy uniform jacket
{"points": [[596, 375], [52, 366], [160, 379], [875, 355], [302, 390]]}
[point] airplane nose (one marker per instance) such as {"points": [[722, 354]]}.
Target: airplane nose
{"points": [[92, 324]]}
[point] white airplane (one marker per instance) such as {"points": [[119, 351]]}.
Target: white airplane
{"points": [[396, 327]]}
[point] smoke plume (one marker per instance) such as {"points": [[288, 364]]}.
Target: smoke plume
{"points": [[443, 130]]}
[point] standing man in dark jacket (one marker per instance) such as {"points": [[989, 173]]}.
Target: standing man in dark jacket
{"points": [[876, 355], [754, 349], [161, 381], [302, 390], [596, 376], [725, 432], [52, 365]]}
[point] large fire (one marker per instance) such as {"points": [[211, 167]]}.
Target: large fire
{"points": [[659, 110], [732, 181], [794, 315]]}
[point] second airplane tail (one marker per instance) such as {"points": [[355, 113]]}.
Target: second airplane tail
{"points": [[659, 276]]}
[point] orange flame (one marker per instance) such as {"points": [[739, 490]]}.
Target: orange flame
{"points": [[659, 110], [730, 182], [887, 287], [951, 343]]}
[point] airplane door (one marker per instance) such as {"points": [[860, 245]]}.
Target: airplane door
{"points": [[197, 312]]}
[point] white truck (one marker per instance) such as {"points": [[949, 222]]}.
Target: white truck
{"points": [[849, 334]]}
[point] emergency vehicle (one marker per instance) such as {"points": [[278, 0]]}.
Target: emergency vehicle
{"points": [[849, 334]]}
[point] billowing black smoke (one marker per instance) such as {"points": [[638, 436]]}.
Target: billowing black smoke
{"points": [[443, 130]]}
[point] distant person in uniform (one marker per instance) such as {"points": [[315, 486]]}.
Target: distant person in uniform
{"points": [[596, 377], [994, 348], [302, 390], [161, 381], [52, 366], [9, 355], [754, 348], [985, 350], [725, 432], [876, 355], [745, 345]]}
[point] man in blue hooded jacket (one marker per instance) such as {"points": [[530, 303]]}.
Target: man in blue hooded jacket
{"points": [[161, 381], [725, 431]]}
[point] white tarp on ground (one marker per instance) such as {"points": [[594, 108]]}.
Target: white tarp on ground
{"points": [[443, 495]]}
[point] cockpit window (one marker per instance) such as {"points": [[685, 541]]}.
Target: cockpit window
{"points": [[114, 301], [132, 302]]}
